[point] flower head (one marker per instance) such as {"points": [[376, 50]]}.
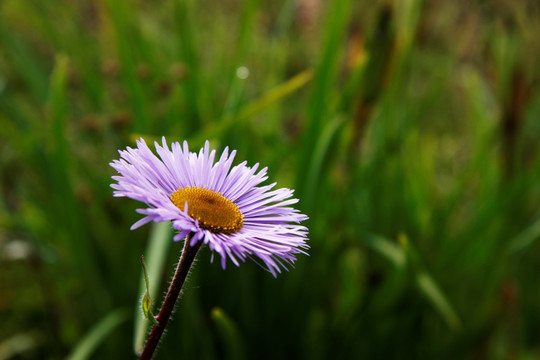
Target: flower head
{"points": [[221, 206]]}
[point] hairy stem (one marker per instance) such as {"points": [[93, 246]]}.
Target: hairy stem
{"points": [[186, 260]]}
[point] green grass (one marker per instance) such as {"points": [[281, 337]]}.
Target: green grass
{"points": [[409, 130]]}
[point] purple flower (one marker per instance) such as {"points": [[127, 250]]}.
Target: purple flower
{"points": [[221, 206]]}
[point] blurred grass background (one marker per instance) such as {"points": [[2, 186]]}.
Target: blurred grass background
{"points": [[409, 129]]}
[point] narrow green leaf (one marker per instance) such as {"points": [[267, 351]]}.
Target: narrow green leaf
{"points": [[286, 16], [91, 341], [24, 61], [526, 238], [434, 294], [428, 287], [322, 147], [387, 248], [322, 100], [405, 254], [244, 32], [256, 106], [194, 91], [129, 43], [158, 246], [57, 110], [274, 95], [231, 335], [17, 345], [146, 302], [59, 162]]}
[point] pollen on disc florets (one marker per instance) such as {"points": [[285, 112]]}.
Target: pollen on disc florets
{"points": [[214, 211]]}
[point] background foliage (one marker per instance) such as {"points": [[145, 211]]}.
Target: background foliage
{"points": [[409, 129]]}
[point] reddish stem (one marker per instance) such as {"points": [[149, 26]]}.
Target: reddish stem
{"points": [[186, 260]]}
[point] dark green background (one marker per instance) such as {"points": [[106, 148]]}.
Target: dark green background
{"points": [[409, 129]]}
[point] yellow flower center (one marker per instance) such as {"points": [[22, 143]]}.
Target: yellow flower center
{"points": [[214, 211]]}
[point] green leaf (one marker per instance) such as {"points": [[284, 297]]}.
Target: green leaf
{"points": [[323, 97], [320, 154], [91, 341], [17, 344], [405, 255], [434, 294], [146, 302], [387, 248], [526, 238], [158, 246], [256, 106], [428, 287], [228, 330]]}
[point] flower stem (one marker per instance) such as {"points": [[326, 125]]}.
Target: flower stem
{"points": [[186, 260]]}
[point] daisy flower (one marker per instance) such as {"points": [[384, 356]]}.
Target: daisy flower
{"points": [[221, 206]]}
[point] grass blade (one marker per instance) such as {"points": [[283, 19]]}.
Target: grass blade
{"points": [[230, 334], [434, 294], [526, 238], [428, 287], [16, 345], [320, 152], [388, 249], [91, 341], [325, 75], [256, 106]]}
